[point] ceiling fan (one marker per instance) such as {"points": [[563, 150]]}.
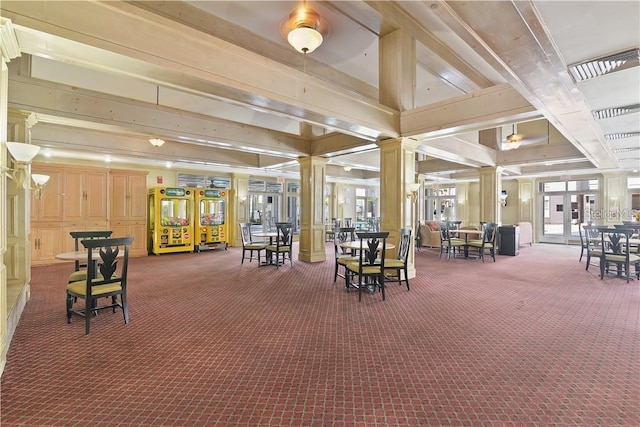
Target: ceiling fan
{"points": [[515, 140]]}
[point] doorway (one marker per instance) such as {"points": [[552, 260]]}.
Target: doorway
{"points": [[265, 211], [563, 211]]}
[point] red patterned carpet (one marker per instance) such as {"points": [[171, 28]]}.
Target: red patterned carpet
{"points": [[528, 340]]}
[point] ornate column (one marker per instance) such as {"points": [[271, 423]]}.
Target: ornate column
{"points": [[397, 173], [238, 206], [312, 180], [490, 189]]}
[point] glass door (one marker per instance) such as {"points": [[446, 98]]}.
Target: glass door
{"points": [[563, 211], [265, 211]]}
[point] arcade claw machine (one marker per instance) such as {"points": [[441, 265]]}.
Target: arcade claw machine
{"points": [[210, 218], [170, 220]]}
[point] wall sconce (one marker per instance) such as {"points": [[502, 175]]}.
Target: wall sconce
{"points": [[242, 200], [503, 198], [22, 154], [413, 192], [40, 180]]}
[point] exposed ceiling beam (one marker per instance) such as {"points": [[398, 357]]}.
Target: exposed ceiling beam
{"points": [[180, 56], [492, 107]]}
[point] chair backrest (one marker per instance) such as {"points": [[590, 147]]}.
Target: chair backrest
{"points": [[348, 222], [489, 232], [373, 245], [404, 245], [245, 232], [337, 223], [343, 235], [591, 236], [105, 256], [445, 236], [615, 242], [83, 235], [285, 234]]}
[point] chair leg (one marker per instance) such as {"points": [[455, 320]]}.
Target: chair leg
{"points": [[406, 277], [69, 307], [335, 273], [125, 308]]}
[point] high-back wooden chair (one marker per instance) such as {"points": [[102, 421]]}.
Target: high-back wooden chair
{"points": [[107, 263], [369, 269], [399, 265], [343, 256], [250, 249], [80, 267], [281, 250], [617, 252]]}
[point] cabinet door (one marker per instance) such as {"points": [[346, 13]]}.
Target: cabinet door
{"points": [[96, 196], [119, 193], [74, 195], [49, 206], [138, 200], [46, 243]]}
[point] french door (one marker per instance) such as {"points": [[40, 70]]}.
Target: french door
{"points": [[562, 214]]}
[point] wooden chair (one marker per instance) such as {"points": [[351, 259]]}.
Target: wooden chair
{"points": [[112, 257], [448, 244], [249, 246], [369, 269], [343, 256], [282, 247], [80, 272], [487, 241], [399, 265], [617, 250], [592, 243]]}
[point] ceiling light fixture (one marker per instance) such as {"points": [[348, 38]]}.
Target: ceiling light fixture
{"points": [[347, 168], [303, 29], [156, 142]]}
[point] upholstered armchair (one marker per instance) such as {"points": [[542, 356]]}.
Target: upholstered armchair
{"points": [[430, 234]]}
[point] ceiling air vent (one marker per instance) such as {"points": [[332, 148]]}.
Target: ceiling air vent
{"points": [[621, 135], [607, 113], [608, 64], [625, 150]]}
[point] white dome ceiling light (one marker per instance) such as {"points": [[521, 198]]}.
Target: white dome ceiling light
{"points": [[304, 29]]}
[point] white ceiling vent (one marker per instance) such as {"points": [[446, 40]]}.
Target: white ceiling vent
{"points": [[607, 113], [621, 135], [608, 64]]}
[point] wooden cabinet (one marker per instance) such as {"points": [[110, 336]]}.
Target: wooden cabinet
{"points": [[85, 195], [128, 196], [49, 207], [86, 199], [128, 208], [46, 242]]}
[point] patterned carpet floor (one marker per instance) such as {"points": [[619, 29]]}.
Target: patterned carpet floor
{"points": [[528, 340]]}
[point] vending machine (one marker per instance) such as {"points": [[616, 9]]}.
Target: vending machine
{"points": [[170, 220], [211, 218]]}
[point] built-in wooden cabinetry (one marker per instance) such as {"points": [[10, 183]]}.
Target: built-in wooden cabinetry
{"points": [[46, 216], [78, 199], [128, 207]]}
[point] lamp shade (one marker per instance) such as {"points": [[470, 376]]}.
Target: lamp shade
{"points": [[156, 142], [304, 39], [21, 152], [40, 179]]}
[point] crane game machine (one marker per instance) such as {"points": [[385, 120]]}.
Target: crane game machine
{"points": [[170, 220], [211, 218]]}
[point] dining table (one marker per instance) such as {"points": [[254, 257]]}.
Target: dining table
{"points": [[466, 233], [270, 234]]}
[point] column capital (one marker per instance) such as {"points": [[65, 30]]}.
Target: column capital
{"points": [[405, 142], [9, 46]]}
